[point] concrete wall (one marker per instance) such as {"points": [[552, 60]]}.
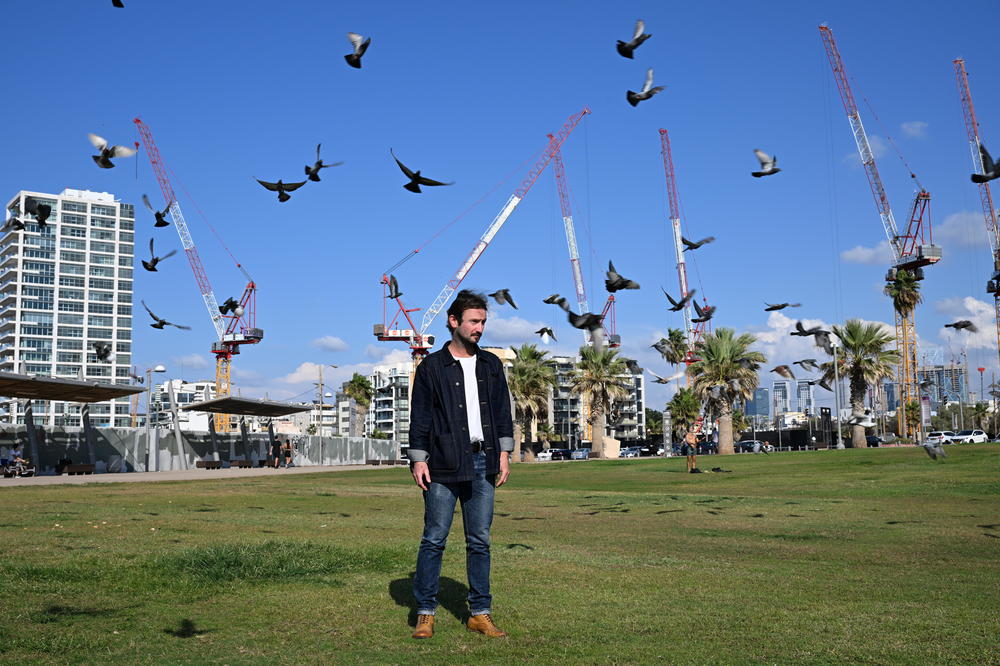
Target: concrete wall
{"points": [[126, 449]]}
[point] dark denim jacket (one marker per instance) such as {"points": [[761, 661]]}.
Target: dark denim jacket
{"points": [[439, 426]]}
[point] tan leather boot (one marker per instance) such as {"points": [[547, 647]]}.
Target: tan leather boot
{"points": [[425, 626], [484, 625]]}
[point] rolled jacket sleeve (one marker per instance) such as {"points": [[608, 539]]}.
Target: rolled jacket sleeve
{"points": [[421, 403]]}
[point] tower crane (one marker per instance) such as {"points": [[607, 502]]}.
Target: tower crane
{"points": [[694, 332], [985, 197], [236, 322], [419, 340], [911, 251]]}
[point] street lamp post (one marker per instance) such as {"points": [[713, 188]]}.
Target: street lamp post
{"points": [[151, 456], [836, 396]]}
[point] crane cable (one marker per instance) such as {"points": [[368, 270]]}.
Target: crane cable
{"points": [[889, 138]]}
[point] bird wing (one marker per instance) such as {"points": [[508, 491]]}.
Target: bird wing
{"points": [[145, 200], [291, 187], [402, 167], [510, 300], [672, 301], [697, 308], [655, 375], [149, 311], [317, 151], [152, 253], [122, 151], [428, 181], [97, 141], [988, 165], [640, 27], [168, 255], [766, 162], [356, 40], [183, 328], [649, 80], [271, 186]]}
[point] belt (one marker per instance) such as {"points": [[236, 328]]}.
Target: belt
{"points": [[476, 447]]}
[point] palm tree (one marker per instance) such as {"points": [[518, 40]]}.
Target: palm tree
{"points": [[904, 292], [864, 361], [530, 381], [740, 423], [677, 346], [684, 408], [980, 411], [547, 434], [360, 389], [725, 372], [598, 380]]}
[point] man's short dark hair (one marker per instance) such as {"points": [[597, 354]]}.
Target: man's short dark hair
{"points": [[466, 300]]}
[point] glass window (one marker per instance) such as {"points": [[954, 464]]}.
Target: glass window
{"points": [[70, 306], [97, 371], [70, 319], [127, 224], [124, 359], [36, 343], [101, 308], [96, 246], [71, 281], [125, 273], [71, 294], [123, 346], [72, 244], [102, 210], [102, 271], [73, 269], [124, 322], [126, 248], [38, 369], [101, 296], [42, 266], [72, 256], [41, 292], [67, 218], [100, 333], [102, 222], [39, 279], [127, 210], [36, 305], [102, 234], [125, 285], [125, 261], [36, 356], [102, 259], [40, 254], [97, 320], [126, 236], [69, 357], [71, 370], [125, 310], [27, 329], [124, 334], [69, 332], [36, 318], [72, 205], [70, 344], [97, 283], [124, 298], [74, 232]]}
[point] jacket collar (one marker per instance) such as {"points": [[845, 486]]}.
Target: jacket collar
{"points": [[450, 360]]}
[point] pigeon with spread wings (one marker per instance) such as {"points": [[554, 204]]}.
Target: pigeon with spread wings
{"points": [[625, 49], [160, 323], [313, 171], [416, 180], [647, 90], [107, 152], [360, 46], [768, 164], [281, 188], [151, 264]]}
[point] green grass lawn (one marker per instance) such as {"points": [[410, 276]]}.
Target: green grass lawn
{"points": [[873, 556]]}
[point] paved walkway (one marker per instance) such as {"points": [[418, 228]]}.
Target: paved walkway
{"points": [[179, 475]]}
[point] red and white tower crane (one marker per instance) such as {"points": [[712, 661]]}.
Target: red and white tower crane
{"points": [[420, 341], [235, 326], [985, 196], [911, 251]]}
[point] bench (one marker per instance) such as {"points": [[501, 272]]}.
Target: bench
{"points": [[78, 469], [373, 462], [208, 464], [241, 463]]}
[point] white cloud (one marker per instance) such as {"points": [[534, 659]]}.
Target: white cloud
{"points": [[915, 129], [191, 361], [330, 343], [511, 331], [979, 313], [962, 229], [878, 255], [306, 372]]}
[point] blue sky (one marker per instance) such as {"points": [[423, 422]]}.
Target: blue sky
{"points": [[467, 92]]}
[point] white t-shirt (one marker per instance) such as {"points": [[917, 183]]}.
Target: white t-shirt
{"points": [[472, 399]]}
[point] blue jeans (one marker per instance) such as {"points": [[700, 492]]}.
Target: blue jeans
{"points": [[476, 497]]}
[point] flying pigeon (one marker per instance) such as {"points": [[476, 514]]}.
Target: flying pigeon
{"points": [[647, 90], [360, 46], [14, 222], [107, 152], [633, 366], [556, 299], [231, 305], [784, 371], [807, 364], [963, 324], [103, 350], [825, 384], [313, 171], [281, 188], [678, 305], [151, 264], [663, 346], [625, 49], [160, 323], [118, 3], [991, 169], [546, 333], [416, 180], [864, 420], [822, 340], [37, 210], [394, 291], [780, 306], [586, 321], [616, 282], [663, 380], [160, 215], [694, 245], [803, 331], [768, 164], [704, 313], [934, 450], [502, 296]]}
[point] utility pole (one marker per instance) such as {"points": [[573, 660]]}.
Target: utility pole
{"points": [[319, 430], [836, 396]]}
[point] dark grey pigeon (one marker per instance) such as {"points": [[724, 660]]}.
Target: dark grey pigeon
{"points": [[780, 306], [807, 364], [678, 305], [822, 340], [647, 90], [663, 346], [768, 164], [784, 371], [556, 299], [416, 180], [14, 221], [37, 210], [694, 245], [230, 305], [313, 171], [160, 323], [118, 3], [825, 384], [281, 188], [633, 366], [102, 350], [803, 331], [502, 296], [546, 333], [394, 291], [934, 450], [991, 170], [704, 313], [151, 264], [107, 152], [616, 282], [963, 324], [160, 215], [625, 49], [864, 420], [586, 321], [360, 46]]}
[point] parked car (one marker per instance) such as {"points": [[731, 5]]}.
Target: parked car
{"points": [[561, 454], [970, 437], [747, 445], [579, 454], [629, 452], [650, 450], [939, 437], [873, 441], [544, 456]]}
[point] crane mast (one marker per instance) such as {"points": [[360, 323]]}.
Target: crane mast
{"points": [[675, 224], [567, 215], [985, 196], [910, 251]]}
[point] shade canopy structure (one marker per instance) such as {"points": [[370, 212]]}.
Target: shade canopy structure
{"points": [[246, 407], [35, 387]]}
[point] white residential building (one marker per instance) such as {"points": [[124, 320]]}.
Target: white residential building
{"points": [[185, 393], [389, 411], [63, 288]]}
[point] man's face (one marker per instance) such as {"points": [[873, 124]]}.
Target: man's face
{"points": [[470, 329]]}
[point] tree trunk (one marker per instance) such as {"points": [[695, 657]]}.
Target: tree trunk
{"points": [[597, 434], [726, 433], [858, 440], [515, 456], [529, 452]]}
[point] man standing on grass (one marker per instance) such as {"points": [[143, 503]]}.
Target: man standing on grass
{"points": [[461, 436]]}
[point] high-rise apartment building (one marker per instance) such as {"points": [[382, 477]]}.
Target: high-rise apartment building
{"points": [[760, 405], [63, 288], [805, 397], [389, 410], [949, 383], [781, 391]]}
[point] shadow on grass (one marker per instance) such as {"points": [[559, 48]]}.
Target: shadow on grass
{"points": [[452, 597], [186, 629]]}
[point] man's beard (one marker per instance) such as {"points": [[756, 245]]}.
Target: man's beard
{"points": [[470, 341]]}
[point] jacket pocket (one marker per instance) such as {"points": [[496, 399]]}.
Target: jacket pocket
{"points": [[443, 454]]}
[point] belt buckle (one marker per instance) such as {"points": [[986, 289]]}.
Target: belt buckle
{"points": [[477, 447]]}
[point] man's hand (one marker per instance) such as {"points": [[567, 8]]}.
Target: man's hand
{"points": [[504, 468], [421, 474]]}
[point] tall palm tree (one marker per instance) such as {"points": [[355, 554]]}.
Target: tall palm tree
{"points": [[677, 346], [547, 434], [360, 389], [598, 379], [904, 292], [684, 408], [980, 411], [531, 379], [864, 361], [725, 372], [740, 423]]}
